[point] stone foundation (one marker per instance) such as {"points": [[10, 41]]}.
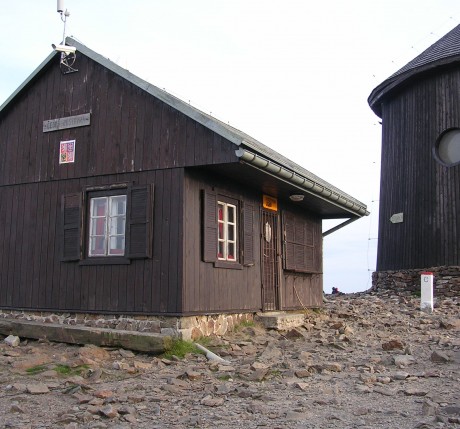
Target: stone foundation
{"points": [[187, 328], [446, 281]]}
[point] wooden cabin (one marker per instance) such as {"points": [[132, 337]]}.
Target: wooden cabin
{"points": [[419, 226], [119, 198]]}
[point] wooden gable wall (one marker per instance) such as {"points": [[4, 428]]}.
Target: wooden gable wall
{"points": [[130, 129]]}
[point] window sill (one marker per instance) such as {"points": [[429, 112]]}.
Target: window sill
{"points": [[229, 265], [110, 260]]}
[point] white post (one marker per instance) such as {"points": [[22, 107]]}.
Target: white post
{"points": [[426, 298]]}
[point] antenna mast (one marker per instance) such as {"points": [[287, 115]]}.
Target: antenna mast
{"points": [[67, 52], [64, 15]]}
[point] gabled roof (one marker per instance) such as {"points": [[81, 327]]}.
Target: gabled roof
{"points": [[443, 52], [249, 150]]}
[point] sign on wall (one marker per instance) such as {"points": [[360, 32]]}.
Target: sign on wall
{"points": [[270, 203], [67, 152], [67, 122]]}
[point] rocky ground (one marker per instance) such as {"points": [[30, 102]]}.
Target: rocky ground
{"points": [[364, 361]]}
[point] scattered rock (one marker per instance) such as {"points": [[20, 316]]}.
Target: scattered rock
{"points": [[451, 409], [415, 392], [37, 389], [429, 408], [126, 353], [209, 401], [450, 324], [400, 375], [439, 357], [403, 361], [108, 411], [393, 345], [12, 341]]}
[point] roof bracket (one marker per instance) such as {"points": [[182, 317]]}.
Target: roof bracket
{"points": [[339, 226]]}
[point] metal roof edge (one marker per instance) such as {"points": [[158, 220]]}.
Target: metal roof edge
{"points": [[396, 80], [307, 184]]}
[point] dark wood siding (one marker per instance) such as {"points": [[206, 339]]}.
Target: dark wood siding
{"points": [[208, 288], [130, 130], [302, 291], [413, 182], [33, 275]]}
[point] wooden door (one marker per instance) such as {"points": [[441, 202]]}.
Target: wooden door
{"points": [[270, 261]]}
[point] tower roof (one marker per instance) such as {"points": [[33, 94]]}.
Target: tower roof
{"points": [[441, 53]]}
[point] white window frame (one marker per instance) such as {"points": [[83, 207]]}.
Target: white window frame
{"points": [[224, 226], [110, 231]]}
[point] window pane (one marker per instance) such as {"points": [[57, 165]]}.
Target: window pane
{"points": [[118, 206], [231, 214], [231, 252], [220, 251], [98, 207], [97, 246], [231, 233], [98, 226], [117, 245], [221, 231], [220, 212], [117, 226]]}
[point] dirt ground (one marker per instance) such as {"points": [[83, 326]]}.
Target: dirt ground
{"points": [[363, 361]]}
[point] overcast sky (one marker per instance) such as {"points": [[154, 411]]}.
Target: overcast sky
{"points": [[295, 75]]}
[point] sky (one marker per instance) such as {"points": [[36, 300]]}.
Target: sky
{"points": [[293, 74]]}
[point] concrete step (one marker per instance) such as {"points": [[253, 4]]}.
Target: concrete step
{"points": [[75, 334], [280, 320]]}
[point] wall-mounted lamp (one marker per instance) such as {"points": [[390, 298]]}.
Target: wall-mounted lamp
{"points": [[296, 197]]}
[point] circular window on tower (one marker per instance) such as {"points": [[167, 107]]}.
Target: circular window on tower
{"points": [[447, 148]]}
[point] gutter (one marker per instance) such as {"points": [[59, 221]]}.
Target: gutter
{"points": [[306, 184]]}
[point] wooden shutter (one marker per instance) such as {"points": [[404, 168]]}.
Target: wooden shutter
{"points": [[248, 234], [289, 241], [71, 226], [299, 244], [139, 234], [209, 226]]}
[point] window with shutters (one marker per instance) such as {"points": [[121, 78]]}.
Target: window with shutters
{"points": [[117, 224], [228, 231]]}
